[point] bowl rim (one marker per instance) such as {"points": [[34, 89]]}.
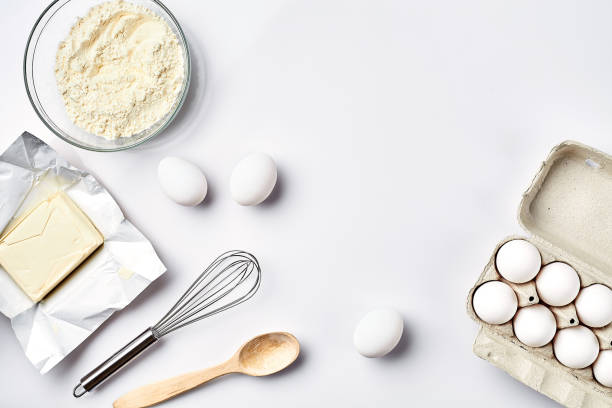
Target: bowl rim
{"points": [[169, 119]]}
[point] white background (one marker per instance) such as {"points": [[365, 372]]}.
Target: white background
{"points": [[405, 133]]}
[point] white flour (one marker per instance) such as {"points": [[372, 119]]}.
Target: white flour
{"points": [[120, 70]]}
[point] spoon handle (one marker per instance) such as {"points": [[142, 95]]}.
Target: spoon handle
{"points": [[155, 393]]}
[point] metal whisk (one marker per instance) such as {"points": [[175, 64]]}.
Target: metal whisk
{"points": [[229, 280]]}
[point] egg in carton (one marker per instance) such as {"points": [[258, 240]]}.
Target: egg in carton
{"points": [[568, 211]]}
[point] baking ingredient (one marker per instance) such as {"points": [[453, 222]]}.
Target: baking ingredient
{"points": [[558, 284], [182, 181], [576, 347], [594, 306], [51, 329], [120, 70], [253, 179], [264, 355], [518, 261], [47, 244], [495, 302], [602, 369], [378, 332], [535, 326]]}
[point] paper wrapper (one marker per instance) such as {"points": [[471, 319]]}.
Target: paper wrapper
{"points": [[107, 281]]}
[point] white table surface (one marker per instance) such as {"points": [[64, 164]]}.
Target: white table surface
{"points": [[405, 133]]}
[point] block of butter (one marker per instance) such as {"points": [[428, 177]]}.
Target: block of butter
{"points": [[46, 244]]}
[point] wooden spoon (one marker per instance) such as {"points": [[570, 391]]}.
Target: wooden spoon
{"points": [[263, 355]]}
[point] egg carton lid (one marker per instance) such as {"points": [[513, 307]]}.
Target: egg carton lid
{"points": [[568, 208]]}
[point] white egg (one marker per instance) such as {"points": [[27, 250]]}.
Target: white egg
{"points": [[495, 302], [182, 181], [594, 305], [518, 261], [253, 179], [378, 332], [535, 326], [558, 284], [576, 347], [602, 369]]}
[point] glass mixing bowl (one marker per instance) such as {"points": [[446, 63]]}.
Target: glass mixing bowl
{"points": [[50, 29]]}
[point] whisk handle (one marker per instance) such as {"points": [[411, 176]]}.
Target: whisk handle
{"points": [[115, 362]]}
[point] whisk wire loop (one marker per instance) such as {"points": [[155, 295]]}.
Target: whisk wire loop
{"points": [[199, 298], [235, 273]]}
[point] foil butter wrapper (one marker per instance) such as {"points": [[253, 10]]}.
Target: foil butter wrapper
{"points": [[30, 171]]}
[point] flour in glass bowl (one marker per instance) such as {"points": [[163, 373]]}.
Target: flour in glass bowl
{"points": [[120, 70]]}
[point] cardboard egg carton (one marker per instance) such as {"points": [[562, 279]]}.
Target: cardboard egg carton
{"points": [[568, 211]]}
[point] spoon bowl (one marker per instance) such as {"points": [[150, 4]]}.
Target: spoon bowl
{"points": [[268, 354]]}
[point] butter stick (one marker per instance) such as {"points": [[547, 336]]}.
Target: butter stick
{"points": [[47, 244]]}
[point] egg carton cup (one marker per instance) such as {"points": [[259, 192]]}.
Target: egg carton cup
{"points": [[568, 211]]}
